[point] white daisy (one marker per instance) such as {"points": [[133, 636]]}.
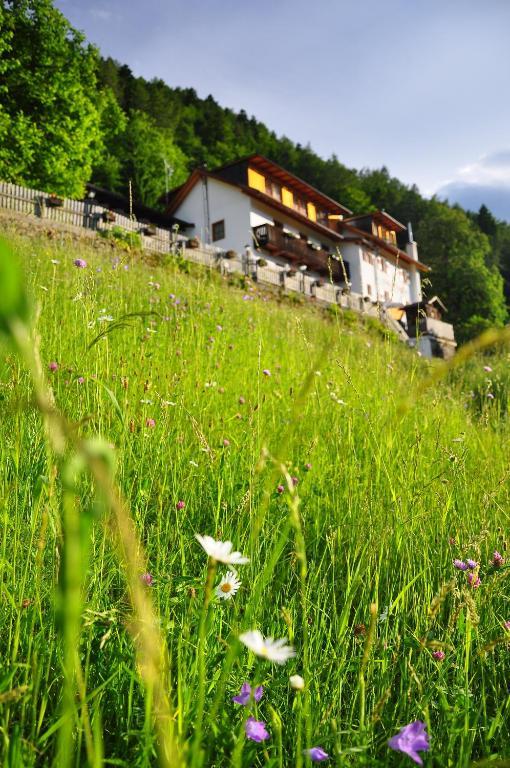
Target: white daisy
{"points": [[221, 551], [228, 586], [267, 648]]}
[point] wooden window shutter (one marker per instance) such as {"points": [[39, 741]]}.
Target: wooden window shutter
{"points": [[287, 197], [256, 180]]}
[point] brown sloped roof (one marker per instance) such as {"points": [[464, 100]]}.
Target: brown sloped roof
{"points": [[381, 217], [178, 195], [266, 166]]}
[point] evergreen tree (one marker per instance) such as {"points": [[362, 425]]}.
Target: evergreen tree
{"points": [[486, 222]]}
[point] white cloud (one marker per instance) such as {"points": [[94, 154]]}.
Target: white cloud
{"points": [[492, 170], [486, 181]]}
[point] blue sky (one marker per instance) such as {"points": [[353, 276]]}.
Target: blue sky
{"points": [[420, 86]]}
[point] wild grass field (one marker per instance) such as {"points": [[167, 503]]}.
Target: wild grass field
{"points": [[312, 443]]}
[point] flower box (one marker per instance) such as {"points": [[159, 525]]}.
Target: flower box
{"points": [[54, 202], [261, 263], [193, 242], [108, 216], [231, 254]]}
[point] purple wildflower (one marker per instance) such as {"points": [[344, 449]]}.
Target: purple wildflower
{"points": [[497, 559], [439, 655], [461, 565], [226, 442], [219, 327], [295, 481], [471, 564], [180, 505], [81, 380], [487, 369], [150, 423], [266, 372], [53, 366], [474, 581], [316, 754], [507, 626], [245, 695], [411, 739], [80, 263], [280, 488], [255, 730], [241, 400], [308, 466], [147, 579]]}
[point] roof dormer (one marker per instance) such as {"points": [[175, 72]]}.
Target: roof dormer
{"points": [[379, 224]]}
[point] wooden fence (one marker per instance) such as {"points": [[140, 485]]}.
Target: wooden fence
{"points": [[89, 215]]}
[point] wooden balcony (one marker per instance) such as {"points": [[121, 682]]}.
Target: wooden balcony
{"points": [[297, 251]]}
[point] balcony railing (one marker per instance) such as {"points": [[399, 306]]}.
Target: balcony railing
{"points": [[297, 250], [436, 328]]}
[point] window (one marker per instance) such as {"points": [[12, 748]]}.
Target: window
{"points": [[287, 197], [218, 230], [312, 213], [256, 180]]}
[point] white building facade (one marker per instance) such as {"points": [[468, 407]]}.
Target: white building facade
{"points": [[257, 208]]}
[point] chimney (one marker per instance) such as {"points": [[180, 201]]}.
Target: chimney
{"points": [[412, 252]]}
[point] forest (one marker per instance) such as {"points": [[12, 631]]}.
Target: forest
{"points": [[69, 116]]}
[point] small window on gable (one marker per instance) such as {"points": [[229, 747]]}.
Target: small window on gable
{"points": [[218, 230]]}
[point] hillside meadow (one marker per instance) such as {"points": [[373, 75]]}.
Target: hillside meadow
{"points": [[152, 402]]}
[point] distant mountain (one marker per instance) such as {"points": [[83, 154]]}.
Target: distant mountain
{"points": [[471, 196]]}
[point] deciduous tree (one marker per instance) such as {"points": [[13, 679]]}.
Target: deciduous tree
{"points": [[49, 118]]}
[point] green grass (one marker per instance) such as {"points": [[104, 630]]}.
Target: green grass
{"points": [[395, 476]]}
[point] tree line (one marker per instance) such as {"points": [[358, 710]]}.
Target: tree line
{"points": [[69, 116]]}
